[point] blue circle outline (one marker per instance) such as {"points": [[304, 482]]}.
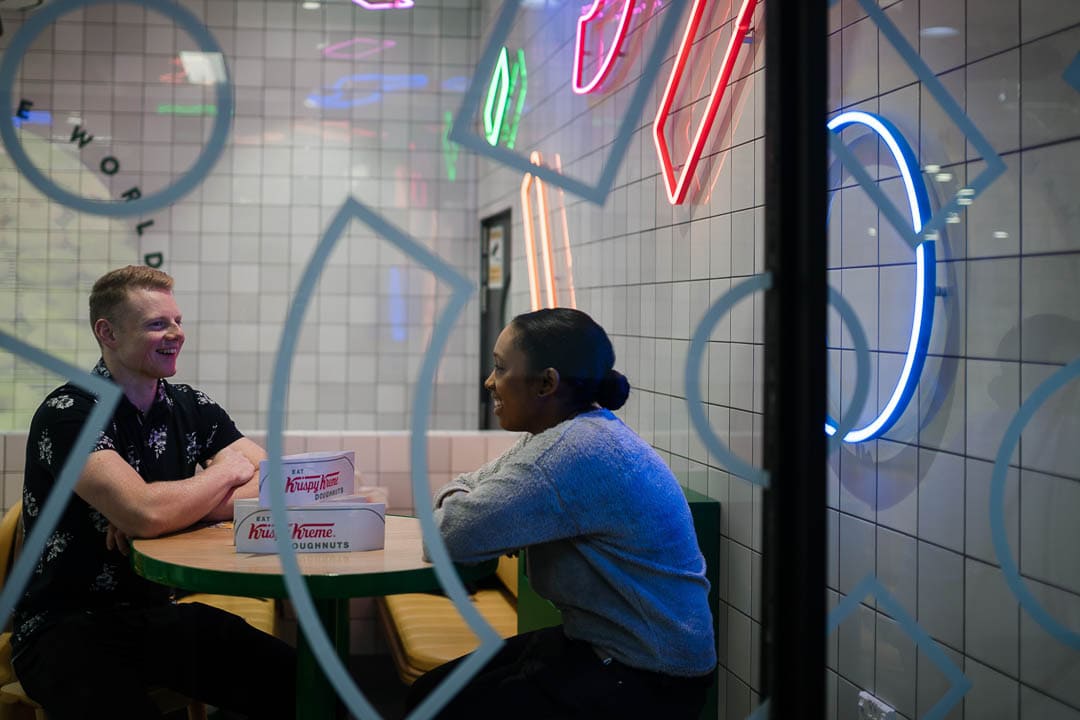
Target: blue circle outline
{"points": [[998, 535], [926, 272], [695, 404], [317, 637], [9, 65]]}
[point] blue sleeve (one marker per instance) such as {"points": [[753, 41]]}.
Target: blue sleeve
{"points": [[516, 507]]}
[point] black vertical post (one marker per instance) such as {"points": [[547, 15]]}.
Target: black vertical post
{"points": [[794, 541]]}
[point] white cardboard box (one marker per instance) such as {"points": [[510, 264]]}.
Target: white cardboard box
{"points": [[310, 477], [339, 525]]}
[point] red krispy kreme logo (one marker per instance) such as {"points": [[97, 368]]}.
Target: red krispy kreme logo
{"points": [[310, 531], [261, 531], [300, 531], [312, 483]]}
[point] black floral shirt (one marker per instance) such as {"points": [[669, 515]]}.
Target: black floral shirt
{"points": [[182, 430]]}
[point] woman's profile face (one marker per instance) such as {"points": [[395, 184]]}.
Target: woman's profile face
{"points": [[514, 390]]}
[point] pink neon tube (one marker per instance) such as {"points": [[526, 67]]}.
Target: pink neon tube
{"points": [[609, 59], [390, 5]]}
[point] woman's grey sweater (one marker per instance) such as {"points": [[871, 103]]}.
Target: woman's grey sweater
{"points": [[611, 542]]}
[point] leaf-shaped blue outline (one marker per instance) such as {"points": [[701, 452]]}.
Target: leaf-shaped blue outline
{"points": [[995, 166], [461, 290], [959, 684], [108, 395], [998, 535]]}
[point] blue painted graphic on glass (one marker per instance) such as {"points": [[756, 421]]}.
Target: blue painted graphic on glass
{"points": [[925, 274], [21, 42], [696, 354], [995, 166], [461, 290], [1072, 73], [869, 585], [108, 395], [998, 534], [464, 132]]}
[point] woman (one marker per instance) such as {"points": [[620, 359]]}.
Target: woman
{"points": [[611, 542]]}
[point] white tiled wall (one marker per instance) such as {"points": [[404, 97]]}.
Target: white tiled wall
{"points": [[911, 508], [238, 244]]}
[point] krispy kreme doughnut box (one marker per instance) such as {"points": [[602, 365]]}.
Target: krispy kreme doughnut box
{"points": [[341, 524], [310, 477]]}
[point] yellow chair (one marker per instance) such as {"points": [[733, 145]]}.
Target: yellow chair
{"points": [[15, 704], [424, 630]]}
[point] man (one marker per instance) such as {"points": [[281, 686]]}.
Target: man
{"points": [[88, 630]]}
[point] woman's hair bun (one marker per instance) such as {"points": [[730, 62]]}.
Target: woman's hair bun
{"points": [[613, 390]]}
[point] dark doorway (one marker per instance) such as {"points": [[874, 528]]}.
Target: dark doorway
{"points": [[494, 291]]}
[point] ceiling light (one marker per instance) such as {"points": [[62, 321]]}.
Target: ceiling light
{"points": [[939, 31], [311, 5], [203, 68]]}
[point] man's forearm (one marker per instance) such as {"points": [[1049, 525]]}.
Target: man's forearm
{"points": [[224, 509]]}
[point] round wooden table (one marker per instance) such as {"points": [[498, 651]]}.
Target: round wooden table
{"points": [[205, 560]]}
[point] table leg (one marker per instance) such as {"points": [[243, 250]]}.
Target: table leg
{"points": [[315, 696]]}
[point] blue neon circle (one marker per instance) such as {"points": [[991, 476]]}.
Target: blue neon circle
{"points": [[20, 43], [997, 505], [922, 322]]}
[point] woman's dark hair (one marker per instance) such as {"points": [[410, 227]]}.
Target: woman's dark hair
{"points": [[571, 342]]}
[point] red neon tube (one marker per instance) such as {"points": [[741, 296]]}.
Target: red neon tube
{"points": [[676, 189]]}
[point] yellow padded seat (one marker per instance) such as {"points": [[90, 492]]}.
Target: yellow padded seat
{"points": [[260, 614], [425, 631]]}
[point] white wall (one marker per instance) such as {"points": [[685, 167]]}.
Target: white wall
{"points": [[238, 244]]}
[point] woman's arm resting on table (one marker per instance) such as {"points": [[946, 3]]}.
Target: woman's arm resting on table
{"points": [[513, 509], [139, 508]]}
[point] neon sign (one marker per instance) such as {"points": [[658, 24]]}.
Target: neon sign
{"points": [[450, 149], [389, 5], [676, 189], [499, 124], [925, 275], [177, 76], [210, 110], [32, 117], [543, 218], [356, 90], [579, 87], [373, 47]]}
